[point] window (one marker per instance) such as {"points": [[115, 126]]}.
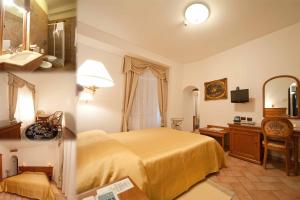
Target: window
{"points": [[145, 108], [25, 106]]}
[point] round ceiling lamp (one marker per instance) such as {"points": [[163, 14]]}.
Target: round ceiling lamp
{"points": [[196, 13]]}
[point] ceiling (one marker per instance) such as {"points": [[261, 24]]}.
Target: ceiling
{"points": [[53, 4], [157, 25]]}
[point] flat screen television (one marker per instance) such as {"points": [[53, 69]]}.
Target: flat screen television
{"points": [[240, 96]]}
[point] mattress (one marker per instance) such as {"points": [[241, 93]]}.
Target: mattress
{"points": [[163, 162], [34, 185]]}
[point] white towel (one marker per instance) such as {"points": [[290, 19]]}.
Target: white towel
{"points": [[6, 44], [59, 26]]}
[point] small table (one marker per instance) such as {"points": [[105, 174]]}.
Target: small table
{"points": [[133, 193], [215, 131]]}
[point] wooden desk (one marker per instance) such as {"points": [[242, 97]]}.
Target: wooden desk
{"points": [[296, 148], [133, 193], [215, 131], [245, 143], [10, 130]]}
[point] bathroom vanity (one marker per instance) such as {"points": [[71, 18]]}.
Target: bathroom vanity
{"points": [[22, 61]]}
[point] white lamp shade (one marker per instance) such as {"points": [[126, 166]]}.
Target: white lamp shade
{"points": [[196, 13], [93, 74]]}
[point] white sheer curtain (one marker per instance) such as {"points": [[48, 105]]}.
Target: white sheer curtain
{"points": [[25, 107], [145, 108], [69, 169]]}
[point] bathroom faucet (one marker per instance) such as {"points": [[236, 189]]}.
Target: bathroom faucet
{"points": [[19, 49], [15, 50], [10, 50]]}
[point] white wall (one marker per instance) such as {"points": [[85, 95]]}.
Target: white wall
{"points": [[62, 12], [246, 66], [105, 112], [43, 4], [31, 154], [41, 155], [4, 112], [5, 159], [55, 92]]}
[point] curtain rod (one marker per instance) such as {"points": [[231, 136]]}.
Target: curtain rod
{"points": [[56, 22]]}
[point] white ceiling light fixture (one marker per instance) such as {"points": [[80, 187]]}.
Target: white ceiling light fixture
{"points": [[12, 3], [196, 13]]}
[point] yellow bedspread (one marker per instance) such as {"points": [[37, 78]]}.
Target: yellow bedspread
{"points": [[29, 184], [170, 161]]}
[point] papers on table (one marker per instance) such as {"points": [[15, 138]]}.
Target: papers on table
{"points": [[111, 191]]}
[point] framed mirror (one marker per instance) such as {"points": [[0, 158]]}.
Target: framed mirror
{"points": [[281, 97], [13, 25]]}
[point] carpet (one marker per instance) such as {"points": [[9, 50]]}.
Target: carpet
{"points": [[207, 190], [39, 131]]}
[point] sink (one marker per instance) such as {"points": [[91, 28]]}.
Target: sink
{"points": [[25, 61], [22, 56]]}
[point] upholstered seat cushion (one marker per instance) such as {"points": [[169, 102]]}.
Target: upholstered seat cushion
{"points": [[276, 144]]}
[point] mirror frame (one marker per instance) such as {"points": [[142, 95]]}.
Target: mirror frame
{"points": [[25, 38], [298, 93]]}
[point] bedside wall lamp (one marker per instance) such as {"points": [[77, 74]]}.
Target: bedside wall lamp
{"points": [[92, 75]]}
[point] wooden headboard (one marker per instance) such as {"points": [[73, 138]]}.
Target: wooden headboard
{"points": [[47, 170]]}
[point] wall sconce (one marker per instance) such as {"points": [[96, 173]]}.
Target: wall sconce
{"points": [[92, 75], [87, 95]]}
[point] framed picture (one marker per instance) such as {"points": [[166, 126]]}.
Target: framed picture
{"points": [[215, 90]]}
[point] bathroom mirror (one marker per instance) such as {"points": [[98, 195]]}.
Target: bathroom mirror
{"points": [[281, 97], [13, 28]]}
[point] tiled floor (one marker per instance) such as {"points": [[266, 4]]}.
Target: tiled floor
{"points": [[252, 182], [8, 196]]}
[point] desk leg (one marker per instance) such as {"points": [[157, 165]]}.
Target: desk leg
{"points": [[296, 146], [223, 142]]}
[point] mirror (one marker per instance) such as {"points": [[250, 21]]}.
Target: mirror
{"points": [[281, 97], [13, 25]]}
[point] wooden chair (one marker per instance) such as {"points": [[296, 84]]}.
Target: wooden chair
{"points": [[56, 120], [39, 112], [278, 133]]}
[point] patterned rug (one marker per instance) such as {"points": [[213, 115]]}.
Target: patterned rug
{"points": [[41, 131]]}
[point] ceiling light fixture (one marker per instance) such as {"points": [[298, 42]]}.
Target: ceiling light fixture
{"points": [[11, 3], [196, 13]]}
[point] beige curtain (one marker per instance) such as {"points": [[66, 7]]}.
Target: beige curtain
{"points": [[14, 83], [133, 68]]}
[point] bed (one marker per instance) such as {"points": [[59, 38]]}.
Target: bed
{"points": [[163, 162], [34, 185]]}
